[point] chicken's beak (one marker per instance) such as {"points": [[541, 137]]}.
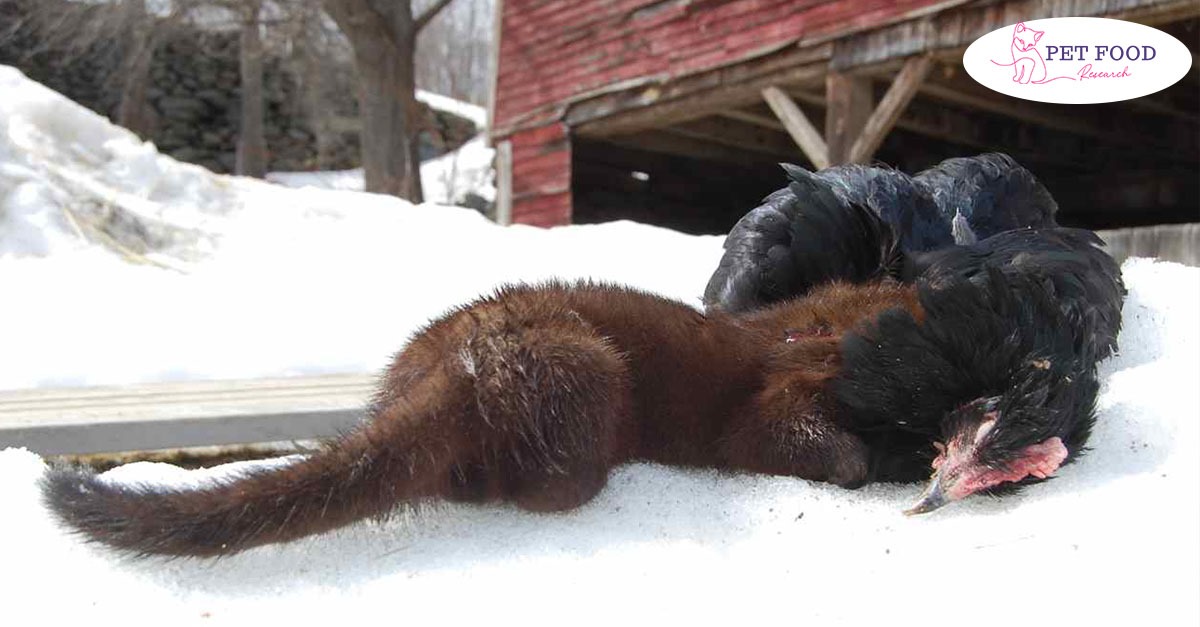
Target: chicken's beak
{"points": [[933, 497]]}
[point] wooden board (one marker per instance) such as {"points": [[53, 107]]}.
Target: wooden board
{"points": [[176, 415], [849, 101], [802, 131], [898, 95]]}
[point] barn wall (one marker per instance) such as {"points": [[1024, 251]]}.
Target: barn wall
{"points": [[593, 62], [541, 176], [554, 50]]}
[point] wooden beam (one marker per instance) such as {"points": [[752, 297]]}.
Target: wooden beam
{"points": [[943, 29], [1173, 135], [959, 26], [849, 100], [738, 135], [1162, 104], [695, 97], [1027, 143], [692, 107], [798, 126], [753, 118], [806, 96], [625, 154], [1155, 14], [903, 88], [673, 143], [980, 130], [504, 191], [494, 77]]}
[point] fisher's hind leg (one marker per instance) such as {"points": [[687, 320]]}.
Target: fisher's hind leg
{"points": [[791, 428], [553, 398]]}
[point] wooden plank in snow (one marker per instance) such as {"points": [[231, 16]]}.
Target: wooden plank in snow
{"points": [[176, 415]]}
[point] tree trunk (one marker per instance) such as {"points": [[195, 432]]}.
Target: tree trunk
{"points": [[140, 42], [383, 36], [252, 145], [308, 49]]}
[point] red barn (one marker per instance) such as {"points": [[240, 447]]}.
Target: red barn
{"points": [[674, 112]]}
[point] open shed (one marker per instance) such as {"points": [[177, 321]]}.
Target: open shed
{"points": [[674, 112]]}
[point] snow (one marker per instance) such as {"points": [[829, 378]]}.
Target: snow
{"points": [[341, 180], [253, 279], [475, 113], [290, 281]]}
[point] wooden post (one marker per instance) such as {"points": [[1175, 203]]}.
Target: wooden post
{"points": [[494, 79], [504, 170], [848, 105], [901, 92], [149, 416], [798, 126]]}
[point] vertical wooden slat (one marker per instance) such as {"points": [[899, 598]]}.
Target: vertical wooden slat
{"points": [[494, 79], [848, 106], [504, 196]]}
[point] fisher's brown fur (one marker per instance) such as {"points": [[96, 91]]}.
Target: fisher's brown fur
{"points": [[532, 395]]}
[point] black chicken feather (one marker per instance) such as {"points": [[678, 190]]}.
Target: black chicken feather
{"points": [[814, 230], [989, 193]]}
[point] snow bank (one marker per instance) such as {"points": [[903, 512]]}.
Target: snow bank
{"points": [[66, 172], [271, 281], [1112, 540], [70, 179], [339, 180], [475, 113], [308, 281]]}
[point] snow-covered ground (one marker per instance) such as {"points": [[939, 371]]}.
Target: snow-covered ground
{"points": [[475, 113], [214, 277]]}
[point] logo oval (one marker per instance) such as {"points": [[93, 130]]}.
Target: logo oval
{"points": [[1077, 60]]}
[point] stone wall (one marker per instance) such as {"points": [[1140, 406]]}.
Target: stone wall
{"points": [[194, 96], [195, 93]]}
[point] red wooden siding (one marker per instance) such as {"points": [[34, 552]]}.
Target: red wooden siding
{"points": [[554, 50], [541, 176]]}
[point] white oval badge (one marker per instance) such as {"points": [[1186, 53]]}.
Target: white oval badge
{"points": [[1077, 60]]}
